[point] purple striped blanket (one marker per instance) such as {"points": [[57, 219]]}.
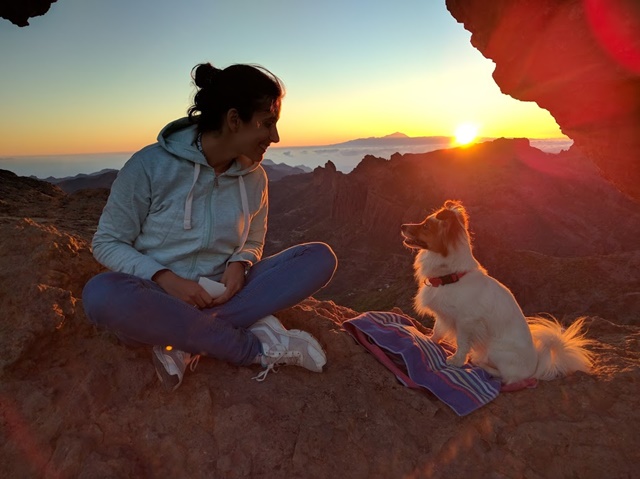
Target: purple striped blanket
{"points": [[418, 362]]}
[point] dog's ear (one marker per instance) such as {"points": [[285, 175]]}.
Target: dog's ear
{"points": [[456, 207], [454, 217], [446, 215]]}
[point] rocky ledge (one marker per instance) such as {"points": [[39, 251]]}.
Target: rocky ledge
{"points": [[76, 403]]}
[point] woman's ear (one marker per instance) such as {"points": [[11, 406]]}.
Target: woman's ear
{"points": [[233, 120]]}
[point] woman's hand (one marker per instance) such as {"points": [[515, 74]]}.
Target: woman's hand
{"points": [[188, 291], [233, 278]]}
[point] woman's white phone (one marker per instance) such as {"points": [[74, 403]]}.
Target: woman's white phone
{"points": [[214, 288]]}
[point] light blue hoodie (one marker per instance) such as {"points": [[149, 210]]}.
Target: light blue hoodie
{"points": [[168, 210]]}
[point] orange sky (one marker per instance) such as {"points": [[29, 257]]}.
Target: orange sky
{"points": [[70, 86]]}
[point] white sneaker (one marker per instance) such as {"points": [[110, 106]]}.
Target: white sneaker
{"points": [[286, 347], [171, 364]]}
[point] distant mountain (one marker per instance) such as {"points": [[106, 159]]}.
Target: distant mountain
{"points": [[397, 134], [277, 171], [104, 178], [547, 225], [71, 184], [391, 140]]}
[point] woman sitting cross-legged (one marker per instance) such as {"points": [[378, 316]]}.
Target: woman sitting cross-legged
{"points": [[192, 206]]}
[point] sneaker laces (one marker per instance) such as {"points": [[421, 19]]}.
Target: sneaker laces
{"points": [[278, 355], [188, 359], [262, 375], [193, 362]]}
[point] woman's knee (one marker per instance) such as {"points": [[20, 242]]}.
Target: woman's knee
{"points": [[97, 294], [324, 257]]}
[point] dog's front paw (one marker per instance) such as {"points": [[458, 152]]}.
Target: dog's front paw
{"points": [[456, 360]]}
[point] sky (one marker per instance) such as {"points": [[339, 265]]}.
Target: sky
{"points": [[96, 76]]}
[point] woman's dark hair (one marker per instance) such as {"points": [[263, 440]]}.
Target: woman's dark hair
{"points": [[247, 88]]}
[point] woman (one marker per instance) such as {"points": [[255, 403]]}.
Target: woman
{"points": [[194, 205]]}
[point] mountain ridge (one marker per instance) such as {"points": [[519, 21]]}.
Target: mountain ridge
{"points": [[105, 177], [390, 140], [519, 199]]}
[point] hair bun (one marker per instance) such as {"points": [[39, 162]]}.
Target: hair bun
{"points": [[204, 75]]}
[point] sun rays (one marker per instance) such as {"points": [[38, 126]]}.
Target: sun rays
{"points": [[465, 134]]}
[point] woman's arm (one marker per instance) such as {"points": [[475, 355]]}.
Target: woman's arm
{"points": [[251, 251], [121, 221]]}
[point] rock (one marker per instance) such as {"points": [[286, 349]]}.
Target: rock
{"points": [[18, 12], [42, 275], [580, 60]]}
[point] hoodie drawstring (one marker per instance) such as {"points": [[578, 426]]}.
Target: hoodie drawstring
{"points": [[245, 213], [189, 202]]}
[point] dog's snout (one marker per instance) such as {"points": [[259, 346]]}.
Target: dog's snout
{"points": [[407, 230]]}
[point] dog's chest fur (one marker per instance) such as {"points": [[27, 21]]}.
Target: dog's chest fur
{"points": [[447, 300]]}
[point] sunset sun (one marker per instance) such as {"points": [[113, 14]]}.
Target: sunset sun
{"points": [[466, 133]]}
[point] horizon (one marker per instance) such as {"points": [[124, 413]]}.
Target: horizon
{"points": [[345, 157], [477, 139], [70, 86]]}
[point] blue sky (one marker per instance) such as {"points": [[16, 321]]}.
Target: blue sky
{"points": [[100, 76]]}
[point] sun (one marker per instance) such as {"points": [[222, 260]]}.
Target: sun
{"points": [[466, 133]]}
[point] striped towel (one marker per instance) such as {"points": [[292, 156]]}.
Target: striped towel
{"points": [[418, 362]]}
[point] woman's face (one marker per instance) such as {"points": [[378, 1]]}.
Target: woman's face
{"points": [[255, 136]]}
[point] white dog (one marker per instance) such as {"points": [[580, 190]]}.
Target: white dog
{"points": [[480, 312]]}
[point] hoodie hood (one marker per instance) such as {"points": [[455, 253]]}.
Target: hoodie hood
{"points": [[179, 139]]}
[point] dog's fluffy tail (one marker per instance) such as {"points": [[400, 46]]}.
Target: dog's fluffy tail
{"points": [[560, 351]]}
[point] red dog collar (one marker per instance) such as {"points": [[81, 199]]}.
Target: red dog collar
{"points": [[446, 279]]}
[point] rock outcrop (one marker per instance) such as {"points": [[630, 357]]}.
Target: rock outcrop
{"points": [[578, 59], [18, 12]]}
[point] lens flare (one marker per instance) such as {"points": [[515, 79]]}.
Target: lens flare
{"points": [[615, 24]]}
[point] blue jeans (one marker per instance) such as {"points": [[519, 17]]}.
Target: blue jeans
{"points": [[140, 311]]}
